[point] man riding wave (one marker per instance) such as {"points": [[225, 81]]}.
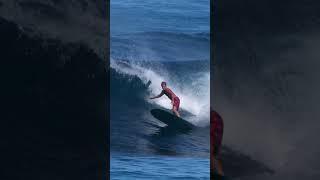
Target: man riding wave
{"points": [[175, 101]]}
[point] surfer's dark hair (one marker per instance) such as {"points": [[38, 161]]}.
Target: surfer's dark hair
{"points": [[163, 83]]}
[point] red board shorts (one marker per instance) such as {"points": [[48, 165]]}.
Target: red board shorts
{"points": [[176, 102], [216, 134]]}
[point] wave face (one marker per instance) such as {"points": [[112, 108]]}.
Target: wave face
{"points": [[142, 80], [132, 125]]}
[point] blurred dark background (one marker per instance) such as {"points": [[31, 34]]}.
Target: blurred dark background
{"points": [[265, 84], [54, 89]]}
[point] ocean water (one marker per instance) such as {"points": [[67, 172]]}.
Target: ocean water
{"points": [[151, 42], [158, 167], [179, 16]]}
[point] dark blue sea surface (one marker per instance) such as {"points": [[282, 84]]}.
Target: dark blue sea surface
{"points": [[179, 16], [158, 167], [151, 42]]}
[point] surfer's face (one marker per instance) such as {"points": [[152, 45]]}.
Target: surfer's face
{"points": [[163, 86]]}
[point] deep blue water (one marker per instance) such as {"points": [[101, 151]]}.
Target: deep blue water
{"points": [[158, 167], [154, 41], [178, 16]]}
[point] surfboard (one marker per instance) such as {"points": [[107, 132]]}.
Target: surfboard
{"points": [[170, 119]]}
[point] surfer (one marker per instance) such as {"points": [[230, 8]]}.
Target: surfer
{"points": [[175, 101], [216, 133]]}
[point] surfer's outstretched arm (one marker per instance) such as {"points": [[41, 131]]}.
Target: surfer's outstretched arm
{"points": [[161, 94]]}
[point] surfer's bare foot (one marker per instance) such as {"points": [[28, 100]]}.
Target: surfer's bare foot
{"points": [[176, 112]]}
